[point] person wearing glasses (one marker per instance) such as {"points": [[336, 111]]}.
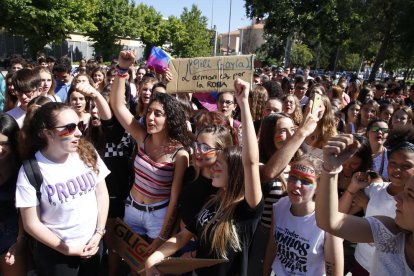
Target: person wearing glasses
{"points": [[160, 162], [226, 104], [27, 86], [377, 133], [225, 225], [67, 221]]}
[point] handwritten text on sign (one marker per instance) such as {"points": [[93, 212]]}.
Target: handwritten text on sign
{"points": [[209, 74]]}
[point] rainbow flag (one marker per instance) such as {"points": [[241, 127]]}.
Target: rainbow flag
{"points": [[158, 60]]}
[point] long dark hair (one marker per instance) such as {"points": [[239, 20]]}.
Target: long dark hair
{"points": [[10, 128], [176, 120], [220, 233]]}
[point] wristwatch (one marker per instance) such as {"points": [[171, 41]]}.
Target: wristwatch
{"points": [[100, 231]]}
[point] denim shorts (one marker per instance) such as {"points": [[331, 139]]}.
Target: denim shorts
{"points": [[8, 233], [147, 223]]}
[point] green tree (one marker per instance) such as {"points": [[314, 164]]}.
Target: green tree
{"points": [[300, 55], [149, 26], [193, 38], [113, 21], [46, 21]]}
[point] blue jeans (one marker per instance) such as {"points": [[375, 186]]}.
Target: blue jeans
{"points": [[147, 223]]}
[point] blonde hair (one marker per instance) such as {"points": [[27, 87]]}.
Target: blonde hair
{"points": [[258, 99]]}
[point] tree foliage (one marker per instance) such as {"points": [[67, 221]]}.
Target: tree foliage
{"points": [[46, 21], [300, 55], [112, 21], [340, 30], [189, 34]]}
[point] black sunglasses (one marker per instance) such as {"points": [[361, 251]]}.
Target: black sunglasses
{"points": [[72, 127]]}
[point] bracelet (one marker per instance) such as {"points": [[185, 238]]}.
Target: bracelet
{"points": [[351, 193], [100, 231], [331, 172], [122, 73], [162, 238], [120, 70]]}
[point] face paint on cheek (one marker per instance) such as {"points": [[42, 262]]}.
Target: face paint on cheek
{"points": [[279, 138], [209, 153], [216, 173], [66, 135]]}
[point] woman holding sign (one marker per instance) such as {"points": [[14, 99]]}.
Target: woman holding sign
{"points": [[160, 162], [225, 225]]}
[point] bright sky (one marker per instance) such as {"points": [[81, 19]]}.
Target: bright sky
{"points": [[215, 10]]}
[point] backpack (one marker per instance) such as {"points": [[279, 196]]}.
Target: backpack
{"points": [[32, 170]]}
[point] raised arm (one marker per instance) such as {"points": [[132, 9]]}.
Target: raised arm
{"points": [[101, 104], [281, 158], [334, 255], [328, 218], [117, 98], [250, 150]]}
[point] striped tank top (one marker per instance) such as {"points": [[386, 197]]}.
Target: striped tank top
{"points": [[276, 192], [152, 179]]}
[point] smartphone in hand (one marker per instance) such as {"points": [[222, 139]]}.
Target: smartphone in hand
{"points": [[316, 103]]}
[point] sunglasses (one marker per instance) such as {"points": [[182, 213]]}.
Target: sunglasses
{"points": [[382, 129], [228, 102], [71, 128], [203, 147]]}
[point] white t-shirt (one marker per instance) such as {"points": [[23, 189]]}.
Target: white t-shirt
{"points": [[68, 204], [18, 114], [300, 242], [389, 256], [377, 162], [380, 203]]}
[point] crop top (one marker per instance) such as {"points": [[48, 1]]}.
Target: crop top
{"points": [[152, 179]]}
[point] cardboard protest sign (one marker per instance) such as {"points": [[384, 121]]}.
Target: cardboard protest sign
{"points": [[129, 245], [183, 265], [209, 74]]}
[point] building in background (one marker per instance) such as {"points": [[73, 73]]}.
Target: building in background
{"points": [[76, 46], [245, 40]]}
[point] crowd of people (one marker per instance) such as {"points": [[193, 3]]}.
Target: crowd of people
{"points": [[291, 175]]}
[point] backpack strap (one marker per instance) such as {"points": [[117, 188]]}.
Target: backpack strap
{"points": [[32, 170]]}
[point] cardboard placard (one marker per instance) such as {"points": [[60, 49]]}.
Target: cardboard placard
{"points": [[132, 248], [183, 265], [209, 74], [129, 245]]}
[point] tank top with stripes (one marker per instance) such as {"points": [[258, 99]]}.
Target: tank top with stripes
{"points": [[152, 179]]}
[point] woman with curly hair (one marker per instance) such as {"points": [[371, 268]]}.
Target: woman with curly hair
{"points": [[160, 162], [326, 127], [258, 100], [66, 215], [291, 106], [225, 225]]}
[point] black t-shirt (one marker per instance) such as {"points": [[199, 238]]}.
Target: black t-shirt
{"points": [[245, 221], [196, 192]]}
